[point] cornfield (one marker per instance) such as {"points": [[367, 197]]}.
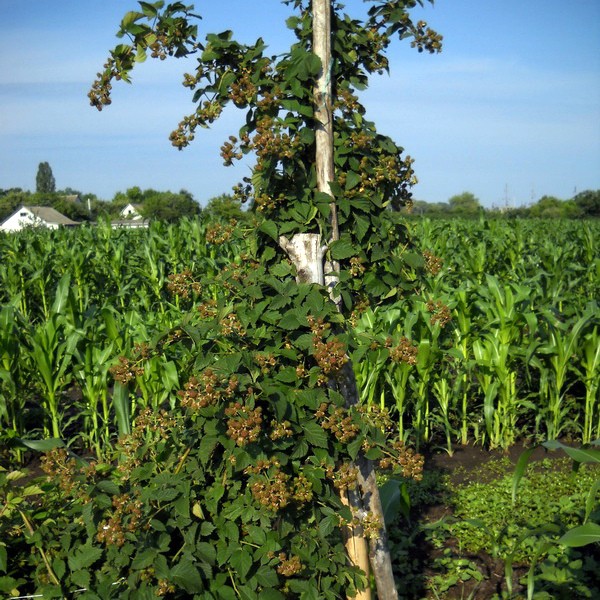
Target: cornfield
{"points": [[501, 343]]}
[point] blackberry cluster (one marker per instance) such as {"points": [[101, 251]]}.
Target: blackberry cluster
{"points": [[339, 422], [207, 390], [183, 284], [289, 566], [244, 424], [440, 312], [405, 352], [433, 264], [126, 518]]}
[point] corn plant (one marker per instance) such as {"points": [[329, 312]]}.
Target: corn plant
{"points": [[554, 360], [443, 393], [53, 343], [91, 372], [589, 371], [12, 367], [463, 329]]}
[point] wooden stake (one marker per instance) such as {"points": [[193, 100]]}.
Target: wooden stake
{"points": [[356, 544]]}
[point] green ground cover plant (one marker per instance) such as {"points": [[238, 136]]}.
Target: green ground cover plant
{"points": [[499, 529]]}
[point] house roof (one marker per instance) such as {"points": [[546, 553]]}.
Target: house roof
{"points": [[50, 215]]}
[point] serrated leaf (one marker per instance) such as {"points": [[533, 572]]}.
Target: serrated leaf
{"points": [[414, 260], [315, 434], [328, 525], [84, 557], [206, 552], [144, 559], [109, 487], [290, 320], [341, 249], [241, 561], [206, 447], [186, 575], [270, 228], [352, 180]]}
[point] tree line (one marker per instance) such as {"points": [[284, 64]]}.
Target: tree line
{"points": [[171, 206], [81, 206], [582, 205]]}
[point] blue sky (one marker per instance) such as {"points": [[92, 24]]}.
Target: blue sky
{"points": [[510, 110]]}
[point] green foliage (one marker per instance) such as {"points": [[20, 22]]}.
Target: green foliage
{"points": [[224, 207], [44, 180], [548, 495], [237, 486], [276, 95], [169, 207], [464, 204], [485, 544], [588, 203]]}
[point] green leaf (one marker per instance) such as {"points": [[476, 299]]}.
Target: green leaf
{"points": [[129, 18], [282, 269], [108, 487], [3, 559], [315, 434], [581, 536], [84, 557], [149, 9], [186, 575], [241, 561], [226, 593], [8, 585], [81, 578], [341, 249], [287, 375], [206, 447], [62, 294], [270, 228], [140, 54], [42, 445], [414, 260], [290, 320], [352, 180], [328, 525], [206, 552], [581, 455], [520, 471], [144, 559], [268, 579], [120, 399]]}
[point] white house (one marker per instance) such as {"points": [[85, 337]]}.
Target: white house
{"points": [[36, 216], [131, 211]]}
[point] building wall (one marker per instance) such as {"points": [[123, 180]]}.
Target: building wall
{"points": [[24, 218]]}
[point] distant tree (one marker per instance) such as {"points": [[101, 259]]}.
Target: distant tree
{"points": [[420, 207], [464, 204], [550, 207], [167, 206], [132, 195], [77, 211], [588, 203], [6, 192], [44, 181], [10, 200], [225, 207]]}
